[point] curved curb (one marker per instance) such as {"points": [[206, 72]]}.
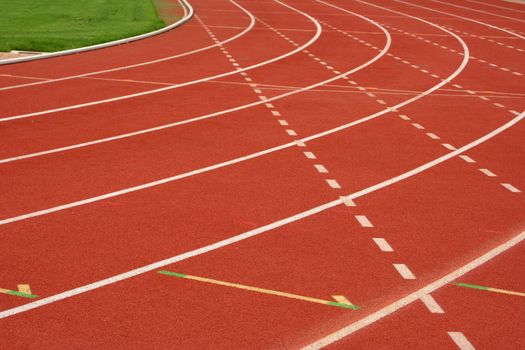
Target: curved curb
{"points": [[187, 9]]}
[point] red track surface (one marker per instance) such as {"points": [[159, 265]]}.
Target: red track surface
{"points": [[437, 208]]}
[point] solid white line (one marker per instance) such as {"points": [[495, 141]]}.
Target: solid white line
{"points": [[300, 143], [167, 88], [461, 341], [432, 304], [404, 271], [465, 18], [480, 11], [253, 104], [510, 188], [363, 221], [360, 324], [487, 172], [383, 244], [417, 295], [333, 183], [492, 5], [246, 30]]}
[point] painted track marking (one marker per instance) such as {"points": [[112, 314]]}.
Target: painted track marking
{"points": [[260, 290], [243, 32], [193, 82]]}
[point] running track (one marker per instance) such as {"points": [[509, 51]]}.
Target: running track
{"points": [[369, 149]]}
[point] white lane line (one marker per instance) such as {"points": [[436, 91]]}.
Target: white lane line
{"points": [[417, 295], [383, 244], [404, 117], [253, 104], [276, 113], [300, 143], [246, 30], [487, 172], [465, 18], [467, 159], [461, 341], [291, 132], [404, 271], [310, 155], [432, 304], [321, 168], [269, 105], [333, 183], [167, 88], [283, 122], [363, 221], [448, 146], [510, 188], [432, 136], [480, 11], [418, 126], [234, 239]]}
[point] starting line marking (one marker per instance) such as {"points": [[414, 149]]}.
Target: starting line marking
{"points": [[23, 291], [341, 301], [495, 290]]}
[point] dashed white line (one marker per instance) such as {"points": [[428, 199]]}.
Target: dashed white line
{"points": [[404, 271], [363, 221], [418, 126], [432, 136], [432, 304], [333, 183], [283, 122], [347, 201], [275, 113], [467, 159], [310, 155], [461, 341], [487, 172], [383, 244], [321, 168], [510, 188], [291, 132], [448, 146]]}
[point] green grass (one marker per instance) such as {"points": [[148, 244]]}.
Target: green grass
{"points": [[53, 25]]}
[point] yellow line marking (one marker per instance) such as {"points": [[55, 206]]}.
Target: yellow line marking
{"points": [[503, 291], [24, 288], [2, 290], [260, 290], [341, 299]]}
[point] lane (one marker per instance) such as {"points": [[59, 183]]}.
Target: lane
{"points": [[277, 188]]}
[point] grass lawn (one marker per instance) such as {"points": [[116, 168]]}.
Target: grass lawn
{"points": [[53, 25]]}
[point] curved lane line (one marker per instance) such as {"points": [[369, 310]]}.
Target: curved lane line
{"points": [[480, 11], [149, 92], [188, 13], [465, 18], [215, 114], [282, 222], [246, 30], [492, 5]]}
